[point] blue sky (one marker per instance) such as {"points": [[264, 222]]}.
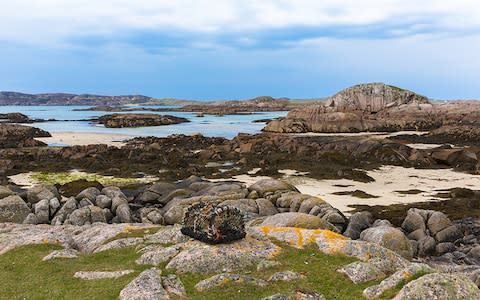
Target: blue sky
{"points": [[238, 49]]}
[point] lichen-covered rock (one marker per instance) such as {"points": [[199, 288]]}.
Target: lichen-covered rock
{"points": [[360, 272], [213, 224], [389, 237], [173, 285], [198, 257], [68, 207], [64, 253], [168, 235], [439, 286], [278, 297], [5, 192], [89, 193], [13, 209], [226, 278], [42, 211], [285, 276], [94, 275], [300, 220], [265, 207], [159, 255], [395, 279], [147, 286], [120, 243]]}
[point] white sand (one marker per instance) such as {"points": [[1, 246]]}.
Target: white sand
{"points": [[85, 138], [388, 181]]}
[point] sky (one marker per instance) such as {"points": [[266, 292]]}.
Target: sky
{"points": [[239, 49]]}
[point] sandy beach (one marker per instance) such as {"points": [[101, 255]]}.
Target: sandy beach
{"points": [[85, 138], [389, 182]]}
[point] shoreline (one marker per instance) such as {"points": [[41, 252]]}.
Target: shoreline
{"points": [[85, 138]]}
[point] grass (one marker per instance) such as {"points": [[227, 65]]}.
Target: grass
{"points": [[67, 177], [23, 275]]}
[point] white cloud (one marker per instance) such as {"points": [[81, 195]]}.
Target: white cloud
{"points": [[53, 21]]}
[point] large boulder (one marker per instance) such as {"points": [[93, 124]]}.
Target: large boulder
{"points": [[437, 286], [5, 192], [156, 192], [139, 120], [300, 220], [357, 223], [390, 238], [147, 286], [89, 193], [13, 209]]}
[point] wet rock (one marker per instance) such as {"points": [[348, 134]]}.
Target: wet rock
{"points": [[213, 224], [292, 219], [266, 186], [390, 238], [357, 223], [226, 278], [147, 286], [361, 272], [13, 209], [85, 275], [438, 286]]}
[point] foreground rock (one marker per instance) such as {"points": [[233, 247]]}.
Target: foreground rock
{"points": [[18, 136], [147, 286], [138, 120]]}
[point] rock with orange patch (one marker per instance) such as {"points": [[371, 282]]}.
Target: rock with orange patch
{"points": [[299, 220], [389, 237], [198, 257]]}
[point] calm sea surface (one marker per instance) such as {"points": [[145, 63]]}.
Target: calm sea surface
{"points": [[72, 121]]}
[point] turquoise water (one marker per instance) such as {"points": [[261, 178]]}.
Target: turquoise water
{"points": [[226, 126]]}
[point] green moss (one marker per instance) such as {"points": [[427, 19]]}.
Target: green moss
{"points": [[66, 177]]}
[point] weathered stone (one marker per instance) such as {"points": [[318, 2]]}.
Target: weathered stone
{"points": [[360, 272], [147, 286], [124, 214], [79, 217], [173, 285], [292, 219], [285, 276], [31, 219], [358, 222], [307, 204], [213, 224], [267, 264], [117, 201], [42, 211], [168, 235], [84, 202], [5, 192], [278, 297], [389, 237], [62, 214], [225, 278], [265, 186], [265, 207], [394, 280], [413, 221], [159, 255], [120, 243], [103, 201], [442, 248], [41, 192], [89, 193], [13, 209], [438, 286], [97, 215], [197, 258], [94, 275], [64, 253], [308, 295], [426, 246], [54, 205], [156, 191], [449, 234], [437, 222]]}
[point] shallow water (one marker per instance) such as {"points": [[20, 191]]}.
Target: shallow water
{"points": [[72, 121]]}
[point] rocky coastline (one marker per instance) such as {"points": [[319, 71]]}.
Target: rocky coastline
{"points": [[138, 120]]}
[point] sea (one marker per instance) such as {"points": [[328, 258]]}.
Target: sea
{"points": [[70, 120]]}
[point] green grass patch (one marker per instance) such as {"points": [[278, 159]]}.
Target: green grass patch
{"points": [[67, 177], [23, 274]]}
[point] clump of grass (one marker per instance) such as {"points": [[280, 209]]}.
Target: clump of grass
{"points": [[67, 177]]}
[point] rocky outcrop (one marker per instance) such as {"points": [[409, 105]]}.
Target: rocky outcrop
{"points": [[138, 120], [365, 107], [14, 118], [17, 136]]}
